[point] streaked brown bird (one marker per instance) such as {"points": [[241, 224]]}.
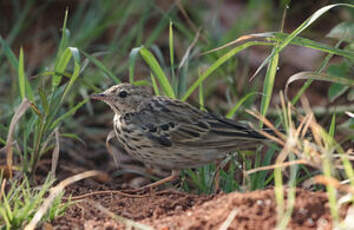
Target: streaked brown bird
{"points": [[172, 134]]}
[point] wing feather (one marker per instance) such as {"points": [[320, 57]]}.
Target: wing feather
{"points": [[168, 122]]}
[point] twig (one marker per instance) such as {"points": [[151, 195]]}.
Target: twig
{"points": [[127, 222], [229, 219], [25, 104], [55, 154]]}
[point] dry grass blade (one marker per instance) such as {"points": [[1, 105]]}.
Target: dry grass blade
{"points": [[291, 140], [25, 104], [55, 191], [307, 121], [316, 129], [109, 192], [349, 114], [282, 165], [229, 219], [333, 182], [269, 125], [2, 191], [285, 151], [316, 76], [129, 223], [238, 40], [55, 154], [190, 47], [189, 21]]}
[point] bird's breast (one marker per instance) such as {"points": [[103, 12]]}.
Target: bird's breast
{"points": [[132, 139]]}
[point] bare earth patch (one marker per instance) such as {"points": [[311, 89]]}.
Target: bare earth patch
{"points": [[178, 210]]}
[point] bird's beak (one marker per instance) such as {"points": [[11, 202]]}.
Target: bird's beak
{"points": [[99, 96]]}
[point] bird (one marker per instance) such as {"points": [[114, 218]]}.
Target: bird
{"points": [[170, 133]]}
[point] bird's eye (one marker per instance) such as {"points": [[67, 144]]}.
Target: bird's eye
{"points": [[123, 94]]}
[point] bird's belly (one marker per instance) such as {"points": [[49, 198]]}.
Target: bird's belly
{"points": [[176, 158], [169, 157]]}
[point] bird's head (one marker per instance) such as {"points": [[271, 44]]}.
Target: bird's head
{"points": [[123, 98]]}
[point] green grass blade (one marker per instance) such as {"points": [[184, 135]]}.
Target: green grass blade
{"points": [[29, 93], [218, 63], [308, 22], [76, 56], [8, 53], [172, 65], [24, 85], [232, 111], [156, 68], [73, 136], [298, 30], [268, 85], [331, 191], [44, 100], [68, 114], [201, 96], [154, 85], [308, 43], [2, 141], [7, 208], [101, 67], [279, 190], [132, 59], [170, 42], [5, 218], [142, 83], [63, 55], [332, 127], [319, 77], [21, 76], [60, 67], [64, 36]]}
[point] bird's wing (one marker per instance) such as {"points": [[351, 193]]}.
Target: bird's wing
{"points": [[166, 121], [170, 122]]}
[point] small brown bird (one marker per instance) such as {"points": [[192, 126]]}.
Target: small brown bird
{"points": [[172, 134]]}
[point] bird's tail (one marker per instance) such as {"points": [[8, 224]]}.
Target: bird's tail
{"points": [[230, 127]]}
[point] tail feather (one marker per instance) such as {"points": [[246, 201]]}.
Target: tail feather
{"points": [[228, 127]]}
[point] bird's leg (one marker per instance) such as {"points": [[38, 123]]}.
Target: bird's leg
{"points": [[174, 175], [216, 179], [219, 166]]}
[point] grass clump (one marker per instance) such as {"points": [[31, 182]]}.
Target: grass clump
{"points": [[21, 201]]}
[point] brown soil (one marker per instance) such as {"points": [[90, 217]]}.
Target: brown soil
{"points": [[172, 209]]}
